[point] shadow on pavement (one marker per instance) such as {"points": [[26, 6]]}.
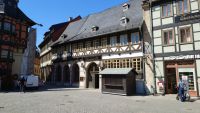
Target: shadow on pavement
{"points": [[43, 89]]}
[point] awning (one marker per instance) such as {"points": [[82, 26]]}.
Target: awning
{"points": [[116, 71]]}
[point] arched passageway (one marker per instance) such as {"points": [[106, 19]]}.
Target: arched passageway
{"points": [[92, 79], [75, 74], [66, 76], [58, 73]]}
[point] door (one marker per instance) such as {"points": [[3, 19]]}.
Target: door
{"points": [[171, 81], [96, 81]]}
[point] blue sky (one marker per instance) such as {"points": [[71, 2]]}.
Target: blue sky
{"points": [[48, 12]]}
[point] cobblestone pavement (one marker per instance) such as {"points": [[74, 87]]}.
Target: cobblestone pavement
{"points": [[91, 101]]}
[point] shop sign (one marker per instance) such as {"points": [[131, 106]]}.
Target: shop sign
{"points": [[187, 17], [183, 57]]}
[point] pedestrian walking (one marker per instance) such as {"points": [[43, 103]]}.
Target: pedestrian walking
{"points": [[22, 83], [181, 90]]}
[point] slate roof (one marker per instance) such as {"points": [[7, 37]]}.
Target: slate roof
{"points": [[108, 22], [72, 31]]}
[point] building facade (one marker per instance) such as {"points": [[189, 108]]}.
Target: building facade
{"points": [[46, 52], [14, 26], [37, 70], [110, 39], [176, 44]]}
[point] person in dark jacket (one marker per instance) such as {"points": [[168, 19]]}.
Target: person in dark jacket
{"points": [[181, 90], [22, 83]]}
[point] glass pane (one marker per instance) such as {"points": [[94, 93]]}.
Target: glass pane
{"points": [[188, 35], [132, 37], [180, 7], [171, 40], [103, 42], [185, 6], [137, 38], [165, 38], [113, 41], [7, 26], [182, 36], [168, 9], [123, 39], [164, 10], [188, 79]]}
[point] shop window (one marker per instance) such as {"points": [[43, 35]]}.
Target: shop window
{"points": [[123, 40], [183, 6], [103, 42], [168, 38], [166, 10], [189, 77], [185, 35], [135, 38], [96, 43], [113, 41], [7, 26]]}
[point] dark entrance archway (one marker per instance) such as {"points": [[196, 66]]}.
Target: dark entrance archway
{"points": [[58, 73], [92, 79], [66, 76], [75, 74]]}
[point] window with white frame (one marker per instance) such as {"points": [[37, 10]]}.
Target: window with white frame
{"points": [[135, 38], [124, 21], [113, 41], [183, 6], [7, 26], [168, 38], [166, 10], [185, 35], [123, 40]]}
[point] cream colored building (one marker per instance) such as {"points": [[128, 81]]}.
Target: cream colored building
{"points": [[176, 44]]}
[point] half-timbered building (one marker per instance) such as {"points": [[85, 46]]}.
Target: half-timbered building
{"points": [[46, 52], [14, 26], [176, 44], [112, 38]]}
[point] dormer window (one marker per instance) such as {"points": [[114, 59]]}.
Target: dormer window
{"points": [[64, 36], [124, 20], [126, 7], [95, 28]]}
